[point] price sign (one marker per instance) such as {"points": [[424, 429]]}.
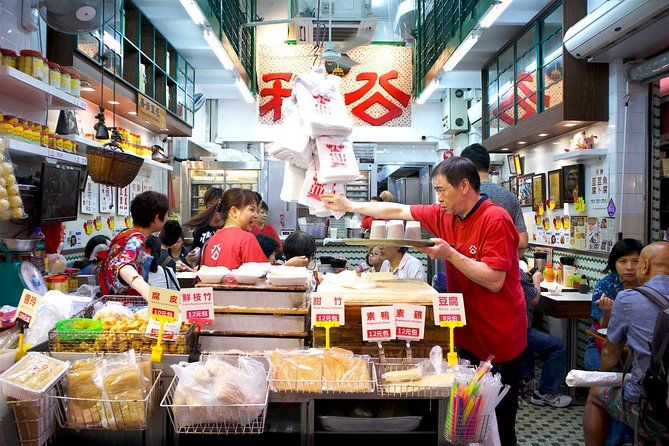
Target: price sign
{"points": [[409, 322], [164, 304], [327, 307], [197, 303], [27, 307], [170, 330], [449, 307], [378, 323]]}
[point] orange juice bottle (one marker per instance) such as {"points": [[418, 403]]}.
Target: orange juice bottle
{"points": [[549, 275]]}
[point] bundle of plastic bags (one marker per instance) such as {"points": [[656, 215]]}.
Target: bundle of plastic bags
{"points": [[217, 391], [336, 160], [313, 189], [293, 144]]}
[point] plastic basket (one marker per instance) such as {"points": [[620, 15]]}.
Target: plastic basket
{"points": [[475, 431], [35, 420], [232, 419], [78, 329], [405, 389], [94, 414], [23, 393]]}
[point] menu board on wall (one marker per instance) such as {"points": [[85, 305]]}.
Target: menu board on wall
{"points": [[599, 189], [578, 232], [135, 189], [123, 208], [89, 197], [106, 199]]}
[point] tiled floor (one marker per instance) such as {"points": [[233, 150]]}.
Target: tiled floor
{"points": [[548, 426]]}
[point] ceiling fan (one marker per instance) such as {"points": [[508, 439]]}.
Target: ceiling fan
{"points": [[76, 16]]}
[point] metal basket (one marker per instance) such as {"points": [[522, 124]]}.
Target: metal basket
{"points": [[111, 166], [405, 389], [117, 342], [35, 420], [232, 419], [475, 431], [301, 386], [127, 415]]}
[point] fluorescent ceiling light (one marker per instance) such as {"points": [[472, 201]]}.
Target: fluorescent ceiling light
{"points": [[493, 13], [114, 102], [570, 124], [194, 11], [505, 149], [543, 134], [425, 94], [217, 48], [522, 142], [461, 51], [132, 113], [244, 90]]}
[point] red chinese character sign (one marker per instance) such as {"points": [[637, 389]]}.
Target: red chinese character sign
{"points": [[449, 308], [327, 307], [197, 304], [378, 323], [409, 322], [377, 92]]}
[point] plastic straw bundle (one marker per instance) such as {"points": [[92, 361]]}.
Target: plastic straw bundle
{"points": [[471, 406]]}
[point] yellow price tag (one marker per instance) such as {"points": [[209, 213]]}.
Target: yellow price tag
{"points": [[327, 325], [452, 356], [163, 307], [27, 308]]}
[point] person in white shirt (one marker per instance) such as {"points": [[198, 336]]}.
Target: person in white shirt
{"points": [[401, 263]]}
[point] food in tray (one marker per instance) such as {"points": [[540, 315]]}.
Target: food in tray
{"points": [[395, 229], [108, 393], [398, 376], [378, 230], [219, 390], [212, 274], [32, 376], [412, 231], [425, 383], [316, 370]]}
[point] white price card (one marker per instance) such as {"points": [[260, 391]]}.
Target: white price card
{"points": [[170, 330], [123, 201], [410, 322], [164, 304], [28, 307], [449, 307], [378, 323], [327, 307], [197, 304]]}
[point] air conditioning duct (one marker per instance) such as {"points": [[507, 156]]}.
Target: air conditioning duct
{"points": [[610, 23]]}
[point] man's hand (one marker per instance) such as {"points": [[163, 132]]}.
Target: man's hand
{"points": [[192, 258], [440, 250], [537, 278], [604, 303], [336, 202]]}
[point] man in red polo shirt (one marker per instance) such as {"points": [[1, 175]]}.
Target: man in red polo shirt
{"points": [[479, 242]]}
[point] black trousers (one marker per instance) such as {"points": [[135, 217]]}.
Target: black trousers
{"points": [[511, 372]]}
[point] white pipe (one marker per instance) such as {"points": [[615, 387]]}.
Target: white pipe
{"points": [[621, 186]]}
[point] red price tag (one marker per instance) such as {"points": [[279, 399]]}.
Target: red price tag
{"points": [[449, 308], [164, 304], [327, 307], [410, 322], [197, 303], [378, 323]]}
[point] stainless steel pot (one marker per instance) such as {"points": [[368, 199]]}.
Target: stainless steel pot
{"points": [[20, 245], [355, 233]]}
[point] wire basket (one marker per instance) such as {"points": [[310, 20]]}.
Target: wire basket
{"points": [[410, 389], [232, 419], [306, 386], [118, 342], [35, 419], [127, 415], [474, 431], [111, 166]]}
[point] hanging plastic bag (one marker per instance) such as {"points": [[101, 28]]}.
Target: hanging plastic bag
{"points": [[312, 189], [336, 160], [11, 204]]}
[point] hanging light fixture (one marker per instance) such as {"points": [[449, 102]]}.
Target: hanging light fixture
{"points": [[101, 131]]}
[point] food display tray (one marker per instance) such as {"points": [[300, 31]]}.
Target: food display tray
{"points": [[399, 242]]}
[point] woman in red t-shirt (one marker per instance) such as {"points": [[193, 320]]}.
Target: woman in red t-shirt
{"points": [[234, 244], [261, 227]]}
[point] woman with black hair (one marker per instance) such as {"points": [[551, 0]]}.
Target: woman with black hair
{"points": [[173, 253], [91, 259], [205, 229], [401, 264], [234, 244], [299, 249], [621, 269], [159, 275]]}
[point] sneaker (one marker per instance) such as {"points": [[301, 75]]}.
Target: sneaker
{"points": [[550, 399], [528, 387]]}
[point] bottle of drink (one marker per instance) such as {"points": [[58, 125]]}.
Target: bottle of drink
{"points": [[40, 248]]}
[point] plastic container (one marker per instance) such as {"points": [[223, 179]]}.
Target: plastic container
{"points": [[78, 329], [32, 63], [32, 361], [72, 278], [9, 58], [41, 244], [58, 283], [54, 75], [75, 85], [65, 80], [7, 357]]}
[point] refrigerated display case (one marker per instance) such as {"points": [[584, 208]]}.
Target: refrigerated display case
{"points": [[198, 176]]}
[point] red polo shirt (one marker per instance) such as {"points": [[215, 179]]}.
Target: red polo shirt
{"points": [[232, 247], [496, 322]]}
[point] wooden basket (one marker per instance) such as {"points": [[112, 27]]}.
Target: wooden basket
{"points": [[111, 167]]}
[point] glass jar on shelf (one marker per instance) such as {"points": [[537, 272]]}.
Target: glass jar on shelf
{"points": [[53, 141], [32, 64], [45, 136], [9, 58], [45, 70], [36, 134], [75, 84], [65, 80], [54, 75]]}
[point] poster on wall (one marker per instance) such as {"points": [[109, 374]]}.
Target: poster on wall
{"points": [[73, 239], [599, 189], [377, 91], [89, 197], [135, 189], [601, 234], [578, 232], [106, 199], [123, 208]]}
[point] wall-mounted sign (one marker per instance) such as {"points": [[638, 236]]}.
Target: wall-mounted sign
{"points": [[377, 91], [89, 197], [123, 201], [150, 111]]}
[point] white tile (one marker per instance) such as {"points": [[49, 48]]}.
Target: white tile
{"points": [[629, 204]]}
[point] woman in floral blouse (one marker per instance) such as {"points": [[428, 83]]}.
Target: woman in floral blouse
{"points": [[123, 271], [621, 267]]}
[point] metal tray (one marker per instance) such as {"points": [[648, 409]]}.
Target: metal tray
{"points": [[388, 242], [356, 424]]}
